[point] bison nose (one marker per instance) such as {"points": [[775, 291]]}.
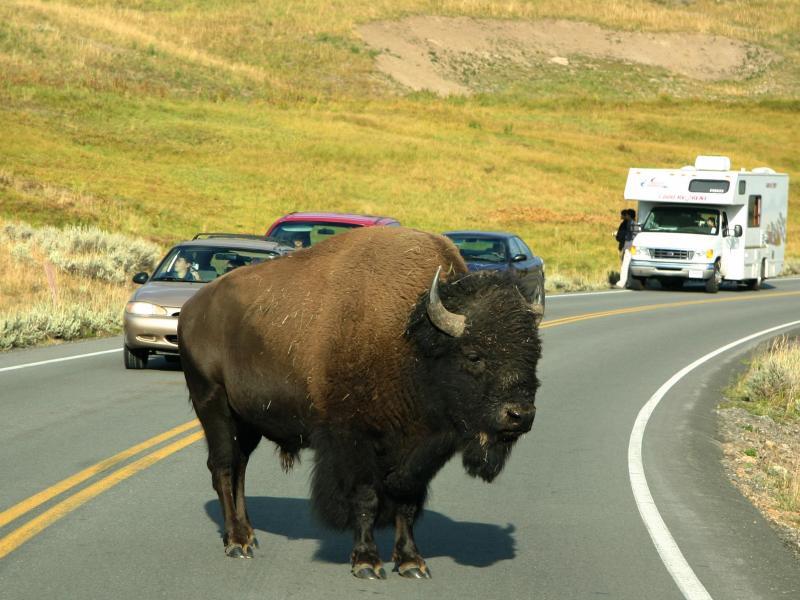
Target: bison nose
{"points": [[517, 417]]}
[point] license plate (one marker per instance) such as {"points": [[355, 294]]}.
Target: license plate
{"points": [[695, 274]]}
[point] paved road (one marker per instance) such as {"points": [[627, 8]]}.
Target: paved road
{"points": [[561, 522]]}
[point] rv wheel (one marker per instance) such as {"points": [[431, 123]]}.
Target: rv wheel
{"points": [[712, 283], [755, 284], [636, 283]]}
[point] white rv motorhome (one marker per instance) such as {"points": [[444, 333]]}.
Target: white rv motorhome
{"points": [[708, 223]]}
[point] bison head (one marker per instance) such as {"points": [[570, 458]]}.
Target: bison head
{"points": [[477, 340]]}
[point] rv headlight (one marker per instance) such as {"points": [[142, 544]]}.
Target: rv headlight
{"points": [[639, 251], [144, 309], [710, 253]]}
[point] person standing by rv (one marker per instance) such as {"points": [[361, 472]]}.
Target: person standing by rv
{"points": [[620, 236], [625, 232]]}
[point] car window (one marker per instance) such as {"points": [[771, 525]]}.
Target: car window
{"points": [[205, 263], [308, 233], [514, 247], [525, 249], [481, 249]]}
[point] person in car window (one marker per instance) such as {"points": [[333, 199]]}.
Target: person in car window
{"points": [[235, 263], [182, 269], [711, 223]]}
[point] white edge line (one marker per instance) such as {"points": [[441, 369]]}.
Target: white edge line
{"points": [[57, 360], [665, 544]]}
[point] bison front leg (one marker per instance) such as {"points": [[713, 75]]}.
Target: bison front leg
{"points": [[407, 560], [365, 560]]}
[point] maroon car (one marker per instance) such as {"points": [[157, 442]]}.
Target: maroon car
{"points": [[304, 229]]}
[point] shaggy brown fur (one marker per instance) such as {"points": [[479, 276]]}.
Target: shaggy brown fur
{"points": [[331, 348]]}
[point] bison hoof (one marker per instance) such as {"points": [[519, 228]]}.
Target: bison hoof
{"points": [[363, 571], [239, 551], [413, 571]]}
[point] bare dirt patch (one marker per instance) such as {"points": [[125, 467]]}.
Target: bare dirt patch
{"points": [[432, 53], [762, 459]]}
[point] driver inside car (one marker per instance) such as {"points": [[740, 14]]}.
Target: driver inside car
{"points": [[182, 270]]}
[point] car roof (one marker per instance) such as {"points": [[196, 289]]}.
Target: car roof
{"points": [[239, 243], [332, 217], [482, 234]]}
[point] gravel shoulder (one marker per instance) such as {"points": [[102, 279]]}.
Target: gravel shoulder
{"points": [[762, 460]]}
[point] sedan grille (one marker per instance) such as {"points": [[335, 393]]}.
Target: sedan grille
{"points": [[172, 339], [672, 254]]}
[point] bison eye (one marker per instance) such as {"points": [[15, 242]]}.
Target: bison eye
{"points": [[474, 357]]}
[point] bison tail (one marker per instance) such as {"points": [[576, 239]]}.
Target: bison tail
{"points": [[288, 458]]}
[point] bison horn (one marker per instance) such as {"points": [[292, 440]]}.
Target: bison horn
{"points": [[450, 323]]}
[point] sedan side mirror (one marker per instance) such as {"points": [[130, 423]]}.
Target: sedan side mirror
{"points": [[141, 278], [519, 258]]}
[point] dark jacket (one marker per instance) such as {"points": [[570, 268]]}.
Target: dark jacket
{"points": [[624, 234]]}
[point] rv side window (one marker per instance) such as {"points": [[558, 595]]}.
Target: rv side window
{"points": [[754, 211], [742, 187], [709, 186]]}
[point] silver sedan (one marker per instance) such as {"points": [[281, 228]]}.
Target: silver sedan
{"points": [[150, 322]]}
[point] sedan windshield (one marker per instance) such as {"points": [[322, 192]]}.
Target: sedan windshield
{"points": [[481, 249], [682, 219], [202, 264], [302, 234]]}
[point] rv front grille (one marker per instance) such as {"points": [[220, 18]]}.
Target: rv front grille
{"points": [[672, 254]]}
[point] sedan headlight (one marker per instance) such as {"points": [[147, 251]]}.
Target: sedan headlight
{"points": [[144, 309]]}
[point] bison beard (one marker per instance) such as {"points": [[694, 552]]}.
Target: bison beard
{"points": [[485, 459], [386, 377]]}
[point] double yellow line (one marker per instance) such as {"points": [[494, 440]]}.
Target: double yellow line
{"points": [[22, 534], [31, 528]]}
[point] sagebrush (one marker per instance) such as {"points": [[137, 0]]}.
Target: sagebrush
{"points": [[771, 383], [65, 283]]}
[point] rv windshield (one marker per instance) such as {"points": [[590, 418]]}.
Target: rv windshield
{"points": [[682, 219]]}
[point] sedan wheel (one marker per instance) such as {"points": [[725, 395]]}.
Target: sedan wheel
{"points": [[135, 359]]}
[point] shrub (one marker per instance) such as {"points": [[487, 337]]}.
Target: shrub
{"points": [[43, 321], [771, 384], [87, 251]]}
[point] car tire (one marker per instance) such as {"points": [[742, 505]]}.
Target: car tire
{"points": [[135, 359], [712, 283]]}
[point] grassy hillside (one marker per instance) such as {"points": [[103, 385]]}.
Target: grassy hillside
{"points": [[162, 118]]}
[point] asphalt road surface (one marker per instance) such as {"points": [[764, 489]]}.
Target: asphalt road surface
{"points": [[95, 505]]}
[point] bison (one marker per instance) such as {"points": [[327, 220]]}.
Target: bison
{"points": [[348, 349]]}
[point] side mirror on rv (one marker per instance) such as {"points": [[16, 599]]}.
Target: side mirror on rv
{"points": [[735, 232], [636, 228]]}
